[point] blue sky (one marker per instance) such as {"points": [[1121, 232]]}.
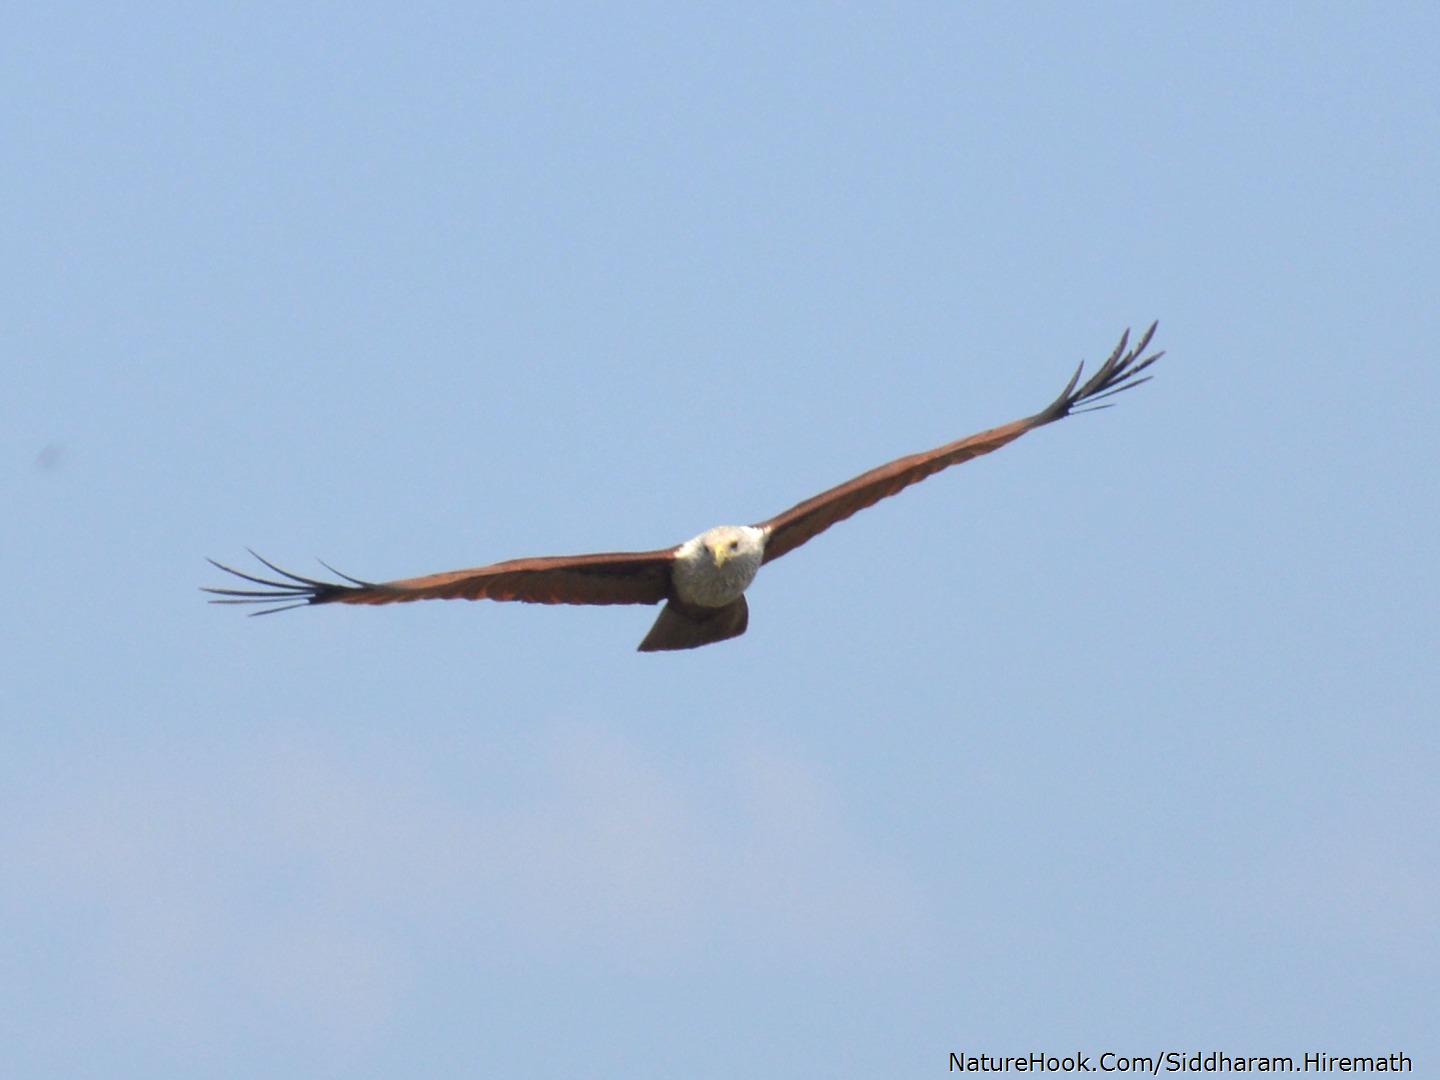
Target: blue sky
{"points": [[1122, 738]]}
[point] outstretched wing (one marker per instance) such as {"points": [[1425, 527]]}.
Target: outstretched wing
{"points": [[789, 530], [639, 577]]}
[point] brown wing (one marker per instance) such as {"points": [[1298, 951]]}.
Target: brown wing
{"points": [[639, 577], [813, 516]]}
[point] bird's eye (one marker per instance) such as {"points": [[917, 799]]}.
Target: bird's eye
{"points": [[734, 545]]}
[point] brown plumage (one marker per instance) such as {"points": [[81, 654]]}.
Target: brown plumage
{"points": [[704, 598]]}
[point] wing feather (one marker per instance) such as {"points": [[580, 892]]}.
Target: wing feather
{"points": [[808, 519], [633, 577]]}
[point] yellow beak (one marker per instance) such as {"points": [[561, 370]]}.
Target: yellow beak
{"points": [[722, 555]]}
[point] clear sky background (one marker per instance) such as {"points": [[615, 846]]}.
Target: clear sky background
{"points": [[1123, 738]]}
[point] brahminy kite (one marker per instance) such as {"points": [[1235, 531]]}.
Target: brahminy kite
{"points": [[702, 581]]}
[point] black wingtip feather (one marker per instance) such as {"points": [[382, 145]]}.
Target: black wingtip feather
{"points": [[1118, 373], [295, 592], [276, 610], [353, 580], [308, 582]]}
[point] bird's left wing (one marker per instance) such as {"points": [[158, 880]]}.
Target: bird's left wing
{"points": [[805, 520], [632, 577]]}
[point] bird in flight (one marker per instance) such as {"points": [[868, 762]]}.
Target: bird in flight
{"points": [[702, 582]]}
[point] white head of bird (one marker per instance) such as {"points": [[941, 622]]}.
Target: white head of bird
{"points": [[717, 566]]}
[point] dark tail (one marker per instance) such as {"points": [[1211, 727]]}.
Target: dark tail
{"points": [[685, 626]]}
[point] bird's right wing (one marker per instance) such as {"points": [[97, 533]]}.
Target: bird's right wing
{"points": [[634, 577]]}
